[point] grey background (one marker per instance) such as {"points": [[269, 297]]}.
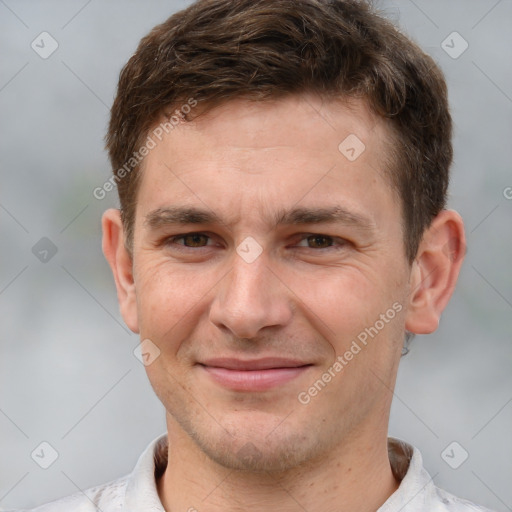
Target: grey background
{"points": [[68, 375]]}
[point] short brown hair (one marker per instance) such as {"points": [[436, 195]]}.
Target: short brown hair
{"points": [[219, 50]]}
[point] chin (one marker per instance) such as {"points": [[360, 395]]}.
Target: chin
{"points": [[257, 456], [246, 437], [258, 443]]}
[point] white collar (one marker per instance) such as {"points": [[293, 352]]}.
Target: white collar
{"points": [[416, 492]]}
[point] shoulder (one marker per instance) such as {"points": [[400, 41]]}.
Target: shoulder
{"points": [[132, 492], [449, 503], [417, 491], [108, 497]]}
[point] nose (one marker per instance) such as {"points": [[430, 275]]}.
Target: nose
{"points": [[251, 297]]}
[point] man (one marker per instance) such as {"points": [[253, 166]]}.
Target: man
{"points": [[282, 168]]}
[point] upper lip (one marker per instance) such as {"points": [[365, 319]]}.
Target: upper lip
{"points": [[265, 363]]}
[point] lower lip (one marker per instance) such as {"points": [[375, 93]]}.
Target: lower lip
{"points": [[253, 380]]}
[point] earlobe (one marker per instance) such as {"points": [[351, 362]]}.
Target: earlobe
{"points": [[120, 262], [435, 271]]}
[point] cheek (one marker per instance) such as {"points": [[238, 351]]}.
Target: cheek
{"points": [[169, 301], [343, 298], [359, 311], [338, 302]]}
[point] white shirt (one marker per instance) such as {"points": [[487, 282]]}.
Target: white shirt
{"points": [[137, 491]]}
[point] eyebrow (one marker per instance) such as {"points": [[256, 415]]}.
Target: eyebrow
{"points": [[295, 216]]}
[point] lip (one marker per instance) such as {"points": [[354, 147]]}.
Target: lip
{"points": [[264, 363], [253, 375]]}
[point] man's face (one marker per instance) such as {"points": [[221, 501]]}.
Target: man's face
{"points": [[251, 310]]}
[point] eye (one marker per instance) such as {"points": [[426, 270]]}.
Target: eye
{"points": [[319, 241], [191, 240], [201, 240]]}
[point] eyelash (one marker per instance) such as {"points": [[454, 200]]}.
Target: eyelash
{"points": [[172, 241]]}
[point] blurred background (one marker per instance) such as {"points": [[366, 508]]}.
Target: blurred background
{"points": [[68, 374]]}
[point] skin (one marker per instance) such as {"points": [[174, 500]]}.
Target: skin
{"points": [[303, 297]]}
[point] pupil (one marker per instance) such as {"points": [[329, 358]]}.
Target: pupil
{"points": [[196, 239], [318, 240]]}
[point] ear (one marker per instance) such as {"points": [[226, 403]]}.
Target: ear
{"points": [[435, 271], [121, 263]]}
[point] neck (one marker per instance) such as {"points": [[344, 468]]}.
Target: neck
{"points": [[356, 476]]}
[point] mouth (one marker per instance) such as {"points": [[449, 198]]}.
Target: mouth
{"points": [[253, 375]]}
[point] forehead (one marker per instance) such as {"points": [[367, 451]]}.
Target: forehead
{"points": [[268, 154], [296, 121]]}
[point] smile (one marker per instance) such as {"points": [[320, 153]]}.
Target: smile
{"points": [[256, 375]]}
